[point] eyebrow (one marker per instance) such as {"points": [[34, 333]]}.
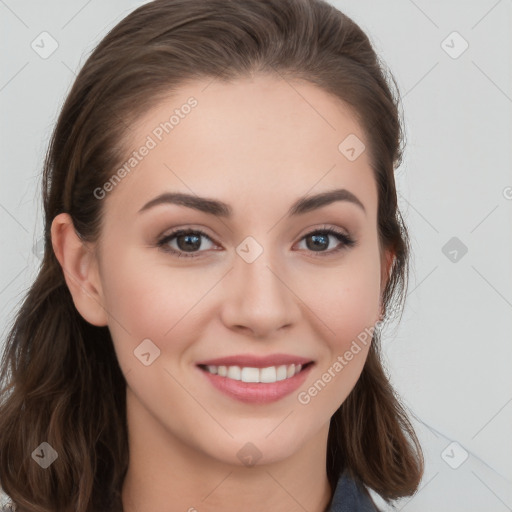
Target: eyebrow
{"points": [[220, 209]]}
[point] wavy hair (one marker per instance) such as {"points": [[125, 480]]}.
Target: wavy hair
{"points": [[60, 381]]}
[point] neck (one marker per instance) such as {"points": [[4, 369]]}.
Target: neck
{"points": [[167, 475]]}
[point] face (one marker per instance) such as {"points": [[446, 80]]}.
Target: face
{"points": [[258, 282]]}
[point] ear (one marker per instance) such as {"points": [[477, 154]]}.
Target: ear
{"points": [[80, 268]]}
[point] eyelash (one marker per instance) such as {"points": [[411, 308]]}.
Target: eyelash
{"points": [[346, 241]]}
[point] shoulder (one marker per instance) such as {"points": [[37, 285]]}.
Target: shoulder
{"points": [[350, 495]]}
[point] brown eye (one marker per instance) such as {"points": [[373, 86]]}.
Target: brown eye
{"points": [[320, 239], [187, 241]]}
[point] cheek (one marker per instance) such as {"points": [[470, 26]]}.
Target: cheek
{"points": [[346, 307], [346, 297], [149, 300]]}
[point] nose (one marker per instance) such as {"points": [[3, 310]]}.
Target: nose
{"points": [[259, 298]]}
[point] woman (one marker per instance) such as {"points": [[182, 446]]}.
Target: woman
{"points": [[222, 242]]}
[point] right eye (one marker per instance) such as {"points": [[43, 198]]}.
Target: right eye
{"points": [[184, 237]]}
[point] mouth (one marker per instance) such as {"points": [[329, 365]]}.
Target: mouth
{"points": [[255, 385], [248, 374]]}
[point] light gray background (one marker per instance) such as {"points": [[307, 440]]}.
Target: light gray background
{"points": [[450, 358]]}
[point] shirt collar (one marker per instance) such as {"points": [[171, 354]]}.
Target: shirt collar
{"points": [[350, 496]]}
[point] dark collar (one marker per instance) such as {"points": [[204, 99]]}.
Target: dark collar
{"points": [[350, 496]]}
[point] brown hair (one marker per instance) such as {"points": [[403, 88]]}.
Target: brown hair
{"points": [[61, 380]]}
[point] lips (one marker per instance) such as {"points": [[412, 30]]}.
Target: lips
{"points": [[238, 377], [255, 392], [246, 360]]}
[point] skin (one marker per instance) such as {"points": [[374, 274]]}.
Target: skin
{"points": [[257, 144]]}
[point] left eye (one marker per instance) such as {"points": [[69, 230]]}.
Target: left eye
{"points": [[320, 238], [189, 241], [186, 238]]}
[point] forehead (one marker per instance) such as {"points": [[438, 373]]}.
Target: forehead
{"points": [[263, 137]]}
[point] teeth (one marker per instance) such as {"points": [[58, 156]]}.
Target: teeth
{"points": [[281, 372], [265, 375], [234, 372], [249, 375]]}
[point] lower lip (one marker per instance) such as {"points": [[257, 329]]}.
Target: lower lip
{"points": [[257, 392]]}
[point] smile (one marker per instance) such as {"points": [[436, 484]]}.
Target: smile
{"points": [[262, 375], [256, 385]]}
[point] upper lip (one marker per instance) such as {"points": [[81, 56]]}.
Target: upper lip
{"points": [[250, 361]]}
